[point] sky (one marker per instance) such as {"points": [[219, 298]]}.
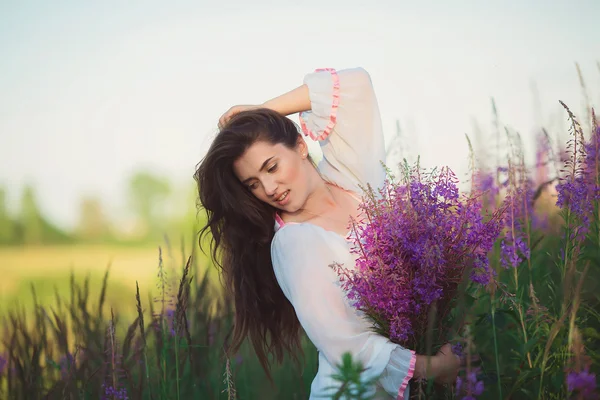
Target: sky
{"points": [[92, 91]]}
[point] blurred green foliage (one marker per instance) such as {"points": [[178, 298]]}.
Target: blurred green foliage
{"points": [[155, 209]]}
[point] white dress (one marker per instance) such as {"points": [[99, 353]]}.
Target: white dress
{"points": [[345, 119]]}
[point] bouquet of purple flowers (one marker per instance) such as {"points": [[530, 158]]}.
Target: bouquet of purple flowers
{"points": [[418, 240]]}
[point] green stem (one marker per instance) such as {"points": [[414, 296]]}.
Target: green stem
{"points": [[567, 241], [147, 370], [177, 364], [496, 345], [164, 358]]}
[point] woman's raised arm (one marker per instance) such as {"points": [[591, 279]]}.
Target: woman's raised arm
{"points": [[340, 111], [294, 101]]}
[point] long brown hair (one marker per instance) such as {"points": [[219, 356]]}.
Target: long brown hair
{"points": [[242, 229]]}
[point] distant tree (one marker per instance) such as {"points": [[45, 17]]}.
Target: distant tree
{"points": [[30, 218], [31, 227], [6, 224], [148, 194], [190, 218], [93, 223]]}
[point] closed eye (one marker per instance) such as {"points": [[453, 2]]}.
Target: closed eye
{"points": [[270, 170]]}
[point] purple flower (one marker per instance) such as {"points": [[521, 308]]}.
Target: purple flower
{"points": [[581, 187], [457, 348], [582, 383], [420, 237], [485, 186], [111, 393], [592, 166], [66, 363], [3, 364], [513, 251], [514, 248], [574, 197], [470, 387], [171, 321], [478, 388], [459, 384]]}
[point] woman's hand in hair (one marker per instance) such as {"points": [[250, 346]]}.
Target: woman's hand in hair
{"points": [[234, 110], [294, 101]]}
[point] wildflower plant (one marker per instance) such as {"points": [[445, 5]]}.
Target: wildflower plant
{"points": [[417, 241], [351, 383], [577, 189], [113, 388]]}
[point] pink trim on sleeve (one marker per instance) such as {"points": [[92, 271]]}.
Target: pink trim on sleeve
{"points": [[408, 377], [335, 102]]}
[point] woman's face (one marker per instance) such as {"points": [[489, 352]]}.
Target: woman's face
{"points": [[275, 174]]}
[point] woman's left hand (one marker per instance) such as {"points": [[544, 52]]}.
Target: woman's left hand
{"points": [[450, 364], [234, 110]]}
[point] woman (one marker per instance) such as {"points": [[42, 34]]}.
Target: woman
{"points": [[278, 222]]}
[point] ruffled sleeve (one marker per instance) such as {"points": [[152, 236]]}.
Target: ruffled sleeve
{"points": [[326, 316], [399, 372], [345, 119]]}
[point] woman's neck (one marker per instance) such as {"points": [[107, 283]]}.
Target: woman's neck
{"points": [[322, 200]]}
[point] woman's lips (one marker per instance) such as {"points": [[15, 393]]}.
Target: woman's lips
{"points": [[285, 199]]}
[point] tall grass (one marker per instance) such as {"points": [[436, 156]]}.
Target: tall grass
{"points": [[174, 349], [533, 330]]}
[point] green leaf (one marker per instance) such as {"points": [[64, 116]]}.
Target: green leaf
{"points": [[530, 344]]}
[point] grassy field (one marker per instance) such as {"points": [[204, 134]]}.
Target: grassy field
{"points": [[49, 268], [534, 329]]}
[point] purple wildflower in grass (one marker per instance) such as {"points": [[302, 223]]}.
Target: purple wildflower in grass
{"points": [[503, 179], [519, 220], [3, 364], [580, 188], [111, 393], [170, 320], [575, 196], [66, 364], [457, 348], [527, 210], [417, 240], [583, 384], [485, 184], [513, 250], [591, 168], [469, 387]]}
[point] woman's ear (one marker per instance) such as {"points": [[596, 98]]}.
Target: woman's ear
{"points": [[301, 147]]}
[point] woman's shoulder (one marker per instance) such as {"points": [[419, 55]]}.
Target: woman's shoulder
{"points": [[292, 232], [293, 243], [294, 237]]}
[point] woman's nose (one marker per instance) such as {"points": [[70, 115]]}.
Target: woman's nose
{"points": [[270, 187]]}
